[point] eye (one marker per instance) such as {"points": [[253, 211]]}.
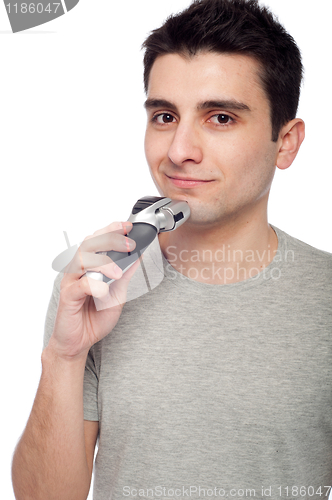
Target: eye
{"points": [[222, 119], [163, 118]]}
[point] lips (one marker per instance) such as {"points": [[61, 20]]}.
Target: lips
{"points": [[187, 182]]}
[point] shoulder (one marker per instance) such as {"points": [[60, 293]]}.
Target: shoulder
{"points": [[303, 248], [303, 258]]}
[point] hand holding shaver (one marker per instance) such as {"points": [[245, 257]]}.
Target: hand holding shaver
{"points": [[150, 215]]}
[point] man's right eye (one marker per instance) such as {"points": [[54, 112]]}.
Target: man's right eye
{"points": [[163, 118]]}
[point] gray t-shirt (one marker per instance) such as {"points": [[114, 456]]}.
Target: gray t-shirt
{"points": [[218, 391]]}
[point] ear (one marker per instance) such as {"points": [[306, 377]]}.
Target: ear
{"points": [[291, 137]]}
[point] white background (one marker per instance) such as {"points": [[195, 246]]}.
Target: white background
{"points": [[72, 158]]}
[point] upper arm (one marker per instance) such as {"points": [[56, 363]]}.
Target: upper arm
{"points": [[91, 429]]}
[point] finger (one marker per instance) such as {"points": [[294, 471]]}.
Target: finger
{"points": [[77, 291], [108, 241], [85, 260], [116, 227], [117, 292], [114, 294]]}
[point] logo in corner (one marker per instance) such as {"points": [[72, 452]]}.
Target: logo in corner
{"points": [[25, 15]]}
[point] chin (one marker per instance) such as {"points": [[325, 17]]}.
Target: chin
{"points": [[201, 215]]}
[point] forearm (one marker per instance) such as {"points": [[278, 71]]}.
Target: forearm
{"points": [[50, 459]]}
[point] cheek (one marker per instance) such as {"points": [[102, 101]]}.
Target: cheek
{"points": [[147, 145], [153, 158], [153, 148], [259, 171], [250, 168]]}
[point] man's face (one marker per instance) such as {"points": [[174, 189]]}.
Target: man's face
{"points": [[208, 137]]}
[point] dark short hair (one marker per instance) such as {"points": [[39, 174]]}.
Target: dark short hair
{"points": [[236, 27]]}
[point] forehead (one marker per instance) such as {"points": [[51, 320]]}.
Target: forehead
{"points": [[207, 75]]}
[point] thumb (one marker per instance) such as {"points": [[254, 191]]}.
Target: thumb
{"points": [[117, 290]]}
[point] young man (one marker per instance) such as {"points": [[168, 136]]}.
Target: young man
{"points": [[218, 382]]}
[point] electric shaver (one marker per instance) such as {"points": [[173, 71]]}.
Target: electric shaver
{"points": [[150, 215]]}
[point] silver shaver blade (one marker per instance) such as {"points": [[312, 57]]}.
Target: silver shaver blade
{"points": [[162, 213]]}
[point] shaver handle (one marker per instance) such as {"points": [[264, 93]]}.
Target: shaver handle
{"points": [[143, 234]]}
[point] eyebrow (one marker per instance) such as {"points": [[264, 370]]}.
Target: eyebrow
{"points": [[227, 104]]}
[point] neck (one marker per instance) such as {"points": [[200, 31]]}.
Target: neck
{"points": [[232, 252]]}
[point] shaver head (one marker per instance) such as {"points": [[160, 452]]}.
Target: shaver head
{"points": [[162, 213]]}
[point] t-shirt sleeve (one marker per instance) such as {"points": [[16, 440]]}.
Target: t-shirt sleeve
{"points": [[90, 387]]}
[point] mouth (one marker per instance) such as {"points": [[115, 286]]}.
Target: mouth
{"points": [[187, 182]]}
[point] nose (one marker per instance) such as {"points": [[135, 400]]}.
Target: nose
{"points": [[185, 145]]}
